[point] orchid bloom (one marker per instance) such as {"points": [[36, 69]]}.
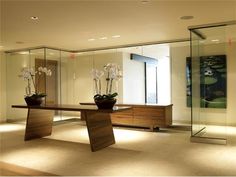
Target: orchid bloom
{"points": [[28, 74], [113, 72]]}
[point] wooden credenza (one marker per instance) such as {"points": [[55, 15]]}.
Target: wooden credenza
{"points": [[145, 115]]}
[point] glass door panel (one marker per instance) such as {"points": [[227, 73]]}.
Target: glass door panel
{"points": [[209, 83], [198, 124]]}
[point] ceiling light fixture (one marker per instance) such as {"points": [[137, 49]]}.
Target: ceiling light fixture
{"points": [[215, 40], [102, 38], [19, 42], [144, 1], [116, 36], [24, 52], [187, 17], [34, 18], [91, 39]]}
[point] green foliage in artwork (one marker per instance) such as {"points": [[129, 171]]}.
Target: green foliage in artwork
{"points": [[210, 80]]}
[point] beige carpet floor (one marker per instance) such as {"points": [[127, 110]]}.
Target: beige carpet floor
{"points": [[137, 153]]}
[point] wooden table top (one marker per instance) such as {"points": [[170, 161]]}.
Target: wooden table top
{"points": [[136, 105], [68, 107]]}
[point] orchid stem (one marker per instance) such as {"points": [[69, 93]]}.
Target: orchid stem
{"points": [[96, 86], [100, 87], [110, 90], [33, 83]]}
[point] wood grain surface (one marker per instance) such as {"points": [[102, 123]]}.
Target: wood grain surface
{"points": [[99, 129], [39, 123]]}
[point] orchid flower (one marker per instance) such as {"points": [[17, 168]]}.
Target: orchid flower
{"points": [[28, 74], [113, 72]]}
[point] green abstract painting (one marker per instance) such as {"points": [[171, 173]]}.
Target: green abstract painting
{"points": [[213, 81]]}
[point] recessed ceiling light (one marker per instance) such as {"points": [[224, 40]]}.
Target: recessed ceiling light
{"points": [[34, 18], [19, 42], [215, 40], [144, 1], [92, 39], [103, 38], [24, 53], [187, 17], [116, 36]]}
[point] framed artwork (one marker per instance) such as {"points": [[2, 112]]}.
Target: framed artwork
{"points": [[213, 81]]}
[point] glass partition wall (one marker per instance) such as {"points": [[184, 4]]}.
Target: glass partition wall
{"points": [[211, 51], [16, 85], [71, 81]]}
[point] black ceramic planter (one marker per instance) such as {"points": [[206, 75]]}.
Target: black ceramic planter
{"points": [[105, 103], [34, 101]]}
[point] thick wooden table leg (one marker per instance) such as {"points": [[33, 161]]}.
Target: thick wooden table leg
{"points": [[39, 123], [99, 129]]}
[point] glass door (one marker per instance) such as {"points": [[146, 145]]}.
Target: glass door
{"points": [[209, 83]]}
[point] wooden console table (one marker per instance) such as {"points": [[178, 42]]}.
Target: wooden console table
{"points": [[142, 115], [40, 120]]}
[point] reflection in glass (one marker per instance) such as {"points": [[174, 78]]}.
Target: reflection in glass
{"points": [[151, 84]]}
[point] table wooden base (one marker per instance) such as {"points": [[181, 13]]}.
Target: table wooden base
{"points": [[40, 121], [99, 129]]}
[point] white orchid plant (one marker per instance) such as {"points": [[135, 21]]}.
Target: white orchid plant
{"points": [[112, 73], [28, 74]]}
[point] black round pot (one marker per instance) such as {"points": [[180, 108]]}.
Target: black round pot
{"points": [[105, 103], [34, 101]]}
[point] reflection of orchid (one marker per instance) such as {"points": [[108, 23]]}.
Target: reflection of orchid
{"points": [[28, 75], [112, 72], [97, 79]]}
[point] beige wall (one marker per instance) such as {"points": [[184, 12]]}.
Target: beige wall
{"points": [[76, 78], [2, 87], [15, 86], [133, 81], [181, 113]]}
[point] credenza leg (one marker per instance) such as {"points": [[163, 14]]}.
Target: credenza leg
{"points": [[39, 123], [99, 129]]}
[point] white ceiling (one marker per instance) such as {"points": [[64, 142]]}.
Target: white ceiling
{"points": [[69, 24]]}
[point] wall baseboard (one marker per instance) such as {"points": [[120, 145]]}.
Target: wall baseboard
{"points": [[16, 120]]}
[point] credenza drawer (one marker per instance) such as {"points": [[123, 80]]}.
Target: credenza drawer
{"points": [[122, 120], [148, 112], [125, 112], [142, 122]]}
